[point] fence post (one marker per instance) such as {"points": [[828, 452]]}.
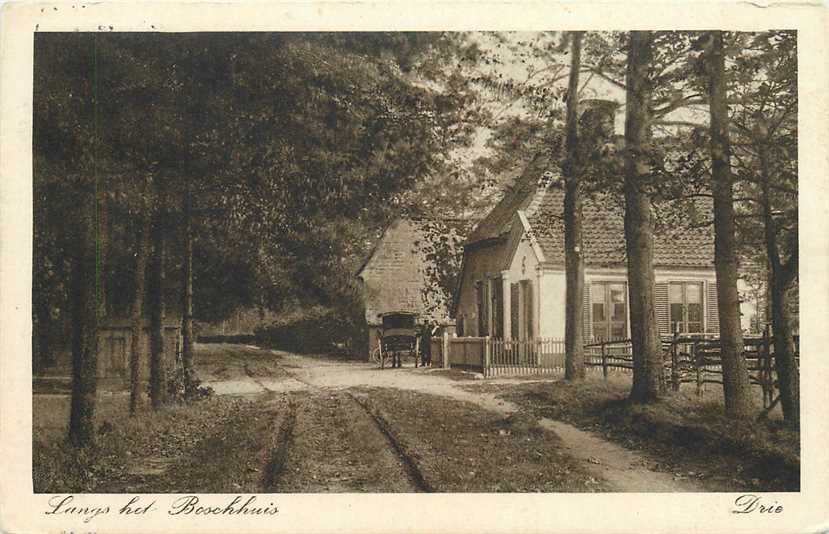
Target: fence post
{"points": [[674, 363], [445, 350], [768, 380], [698, 368], [487, 355], [604, 361]]}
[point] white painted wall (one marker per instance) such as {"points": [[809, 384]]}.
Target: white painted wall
{"points": [[660, 275], [524, 266], [524, 255], [748, 305], [553, 290], [550, 288]]}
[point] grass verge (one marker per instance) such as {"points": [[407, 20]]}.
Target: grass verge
{"points": [[460, 447], [685, 436], [180, 448]]}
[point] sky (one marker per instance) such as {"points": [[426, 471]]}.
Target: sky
{"points": [[517, 67]]}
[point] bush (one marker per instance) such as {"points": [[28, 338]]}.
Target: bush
{"points": [[181, 387], [317, 329], [240, 339]]}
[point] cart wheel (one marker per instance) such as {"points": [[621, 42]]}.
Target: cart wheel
{"points": [[375, 356]]}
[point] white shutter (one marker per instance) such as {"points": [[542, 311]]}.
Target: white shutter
{"points": [[660, 298], [588, 324], [712, 310]]}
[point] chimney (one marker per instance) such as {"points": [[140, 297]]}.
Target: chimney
{"points": [[598, 117], [597, 124]]}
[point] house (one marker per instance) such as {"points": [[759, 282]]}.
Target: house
{"points": [[412, 268], [512, 282]]}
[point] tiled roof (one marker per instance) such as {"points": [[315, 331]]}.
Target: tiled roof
{"points": [[603, 224], [604, 233]]}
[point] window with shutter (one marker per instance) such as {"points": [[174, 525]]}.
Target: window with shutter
{"points": [[685, 307], [608, 310], [711, 308]]}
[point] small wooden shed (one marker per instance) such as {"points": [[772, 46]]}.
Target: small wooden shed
{"points": [[114, 342]]}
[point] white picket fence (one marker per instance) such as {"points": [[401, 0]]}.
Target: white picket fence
{"points": [[540, 356]]}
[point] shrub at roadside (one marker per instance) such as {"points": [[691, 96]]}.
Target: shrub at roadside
{"points": [[317, 329]]}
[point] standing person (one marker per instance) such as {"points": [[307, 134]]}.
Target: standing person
{"points": [[426, 344]]}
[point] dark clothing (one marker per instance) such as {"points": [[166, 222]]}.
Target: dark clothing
{"points": [[426, 345]]}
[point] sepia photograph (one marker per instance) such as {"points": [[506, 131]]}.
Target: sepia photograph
{"points": [[440, 267], [414, 262]]}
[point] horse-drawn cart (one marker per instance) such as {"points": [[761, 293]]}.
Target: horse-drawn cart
{"points": [[398, 338]]}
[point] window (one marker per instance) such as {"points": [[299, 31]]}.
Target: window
{"points": [[685, 299], [608, 308]]}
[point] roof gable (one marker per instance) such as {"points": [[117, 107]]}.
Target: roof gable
{"points": [[396, 274], [521, 230], [498, 221]]}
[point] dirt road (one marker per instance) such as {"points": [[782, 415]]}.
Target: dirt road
{"points": [[281, 422], [331, 443]]}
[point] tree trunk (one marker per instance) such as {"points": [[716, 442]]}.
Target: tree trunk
{"points": [[42, 356], [137, 314], [788, 374], [187, 300], [736, 385], [573, 261], [647, 353], [155, 299], [780, 278], [104, 226], [84, 332]]}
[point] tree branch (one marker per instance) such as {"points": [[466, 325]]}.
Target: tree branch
{"points": [[601, 74]]}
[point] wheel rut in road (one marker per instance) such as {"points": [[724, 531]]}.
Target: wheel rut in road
{"points": [[334, 445], [415, 475], [284, 437], [329, 423], [329, 440]]}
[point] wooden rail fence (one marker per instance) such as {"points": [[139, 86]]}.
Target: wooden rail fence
{"points": [[687, 359]]}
